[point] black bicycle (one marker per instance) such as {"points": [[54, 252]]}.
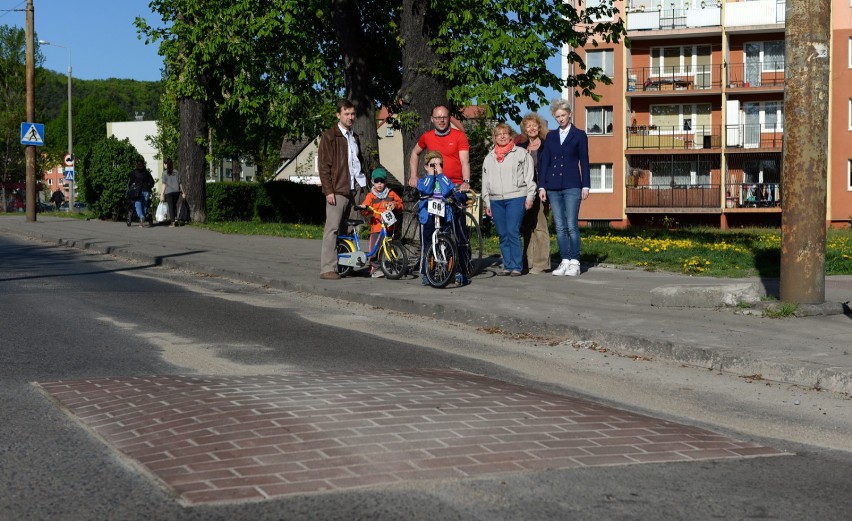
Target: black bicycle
{"points": [[468, 242]]}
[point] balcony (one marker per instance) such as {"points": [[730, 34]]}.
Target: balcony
{"points": [[753, 195], [674, 196], [750, 14], [685, 137], [757, 135], [657, 18], [756, 74], [674, 78]]}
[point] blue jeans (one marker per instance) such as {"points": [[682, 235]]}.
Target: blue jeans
{"points": [[566, 208], [141, 205], [508, 215]]}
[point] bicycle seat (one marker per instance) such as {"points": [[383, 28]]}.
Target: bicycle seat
{"points": [[354, 222]]}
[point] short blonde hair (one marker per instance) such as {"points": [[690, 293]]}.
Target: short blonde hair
{"points": [[432, 154], [560, 104], [500, 127]]}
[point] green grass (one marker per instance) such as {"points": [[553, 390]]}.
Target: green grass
{"points": [[694, 251]]}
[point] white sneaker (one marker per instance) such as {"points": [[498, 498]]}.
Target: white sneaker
{"points": [[573, 268], [377, 274], [562, 268]]}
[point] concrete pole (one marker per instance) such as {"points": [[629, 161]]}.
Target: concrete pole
{"points": [[30, 153], [804, 180]]}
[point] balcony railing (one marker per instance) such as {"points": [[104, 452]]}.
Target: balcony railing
{"points": [[754, 136], [685, 137], [695, 77], [655, 18], [677, 196], [753, 195], [759, 12], [756, 74]]}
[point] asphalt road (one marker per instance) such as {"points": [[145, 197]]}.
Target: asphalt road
{"points": [[65, 315]]}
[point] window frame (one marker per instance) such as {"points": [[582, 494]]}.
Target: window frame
{"points": [[606, 121], [601, 175], [607, 64]]}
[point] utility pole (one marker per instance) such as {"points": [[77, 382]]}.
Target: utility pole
{"points": [[30, 153], [805, 177]]}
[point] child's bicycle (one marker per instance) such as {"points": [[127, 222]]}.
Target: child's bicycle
{"points": [[448, 256], [392, 258]]}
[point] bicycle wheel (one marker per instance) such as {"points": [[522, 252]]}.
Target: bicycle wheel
{"points": [[344, 246], [393, 260], [441, 258], [409, 238], [473, 243]]}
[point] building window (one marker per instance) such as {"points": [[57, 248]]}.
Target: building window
{"points": [[599, 3], [849, 176], [850, 113], [600, 59], [679, 173], [675, 119], [599, 121], [600, 177], [849, 53]]}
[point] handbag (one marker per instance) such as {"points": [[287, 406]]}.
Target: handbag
{"points": [[134, 191], [162, 212]]}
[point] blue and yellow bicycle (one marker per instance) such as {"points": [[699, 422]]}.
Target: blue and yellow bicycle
{"points": [[390, 254]]}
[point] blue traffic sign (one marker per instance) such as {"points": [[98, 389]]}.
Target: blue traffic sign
{"points": [[32, 134], [69, 174]]}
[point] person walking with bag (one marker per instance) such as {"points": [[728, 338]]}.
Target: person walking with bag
{"points": [[171, 189], [139, 186]]}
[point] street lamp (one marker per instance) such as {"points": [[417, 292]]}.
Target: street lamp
{"points": [[70, 140]]}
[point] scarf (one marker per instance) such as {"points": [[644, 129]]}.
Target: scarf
{"points": [[501, 152], [383, 194]]}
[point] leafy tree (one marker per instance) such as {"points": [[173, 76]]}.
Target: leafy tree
{"points": [[108, 165], [13, 97], [89, 119]]}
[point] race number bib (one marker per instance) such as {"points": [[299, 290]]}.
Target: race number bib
{"points": [[388, 218], [436, 207]]}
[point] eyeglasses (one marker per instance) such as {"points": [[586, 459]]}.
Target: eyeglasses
{"points": [[436, 164], [378, 180]]}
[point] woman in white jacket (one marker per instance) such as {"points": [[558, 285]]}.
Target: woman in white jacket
{"points": [[508, 190]]}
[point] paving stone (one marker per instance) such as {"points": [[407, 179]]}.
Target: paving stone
{"points": [[218, 439]]}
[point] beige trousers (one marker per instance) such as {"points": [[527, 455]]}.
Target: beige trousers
{"points": [[536, 238]]}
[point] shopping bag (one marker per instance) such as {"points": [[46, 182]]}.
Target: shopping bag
{"points": [[162, 212]]}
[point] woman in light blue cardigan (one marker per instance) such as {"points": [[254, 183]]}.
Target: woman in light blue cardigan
{"points": [[563, 174]]}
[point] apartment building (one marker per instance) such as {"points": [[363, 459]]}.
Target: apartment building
{"points": [[692, 127]]}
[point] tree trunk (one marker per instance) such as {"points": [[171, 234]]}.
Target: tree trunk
{"points": [[193, 135], [420, 90], [357, 78]]}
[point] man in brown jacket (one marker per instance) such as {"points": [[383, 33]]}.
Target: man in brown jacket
{"points": [[343, 181]]}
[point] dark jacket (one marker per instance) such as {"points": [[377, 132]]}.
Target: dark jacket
{"points": [[333, 161], [564, 165], [142, 178]]}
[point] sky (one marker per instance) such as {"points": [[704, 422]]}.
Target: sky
{"points": [[103, 41], [99, 33]]}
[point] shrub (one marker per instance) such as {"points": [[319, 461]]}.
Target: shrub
{"points": [[103, 179]]}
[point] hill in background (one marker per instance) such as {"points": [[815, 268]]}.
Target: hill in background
{"points": [[131, 96]]}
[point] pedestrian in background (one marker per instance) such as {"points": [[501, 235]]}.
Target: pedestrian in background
{"points": [[508, 191], [139, 186], [171, 189], [534, 227], [343, 182], [563, 167]]}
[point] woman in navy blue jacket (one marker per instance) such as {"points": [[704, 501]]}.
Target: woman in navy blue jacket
{"points": [[563, 170]]}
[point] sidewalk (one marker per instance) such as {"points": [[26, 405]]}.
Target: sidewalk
{"points": [[609, 307]]}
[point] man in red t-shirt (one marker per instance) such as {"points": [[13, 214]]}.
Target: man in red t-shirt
{"points": [[451, 143]]}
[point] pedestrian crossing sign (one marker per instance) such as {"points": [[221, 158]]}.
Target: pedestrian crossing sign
{"points": [[32, 134]]}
